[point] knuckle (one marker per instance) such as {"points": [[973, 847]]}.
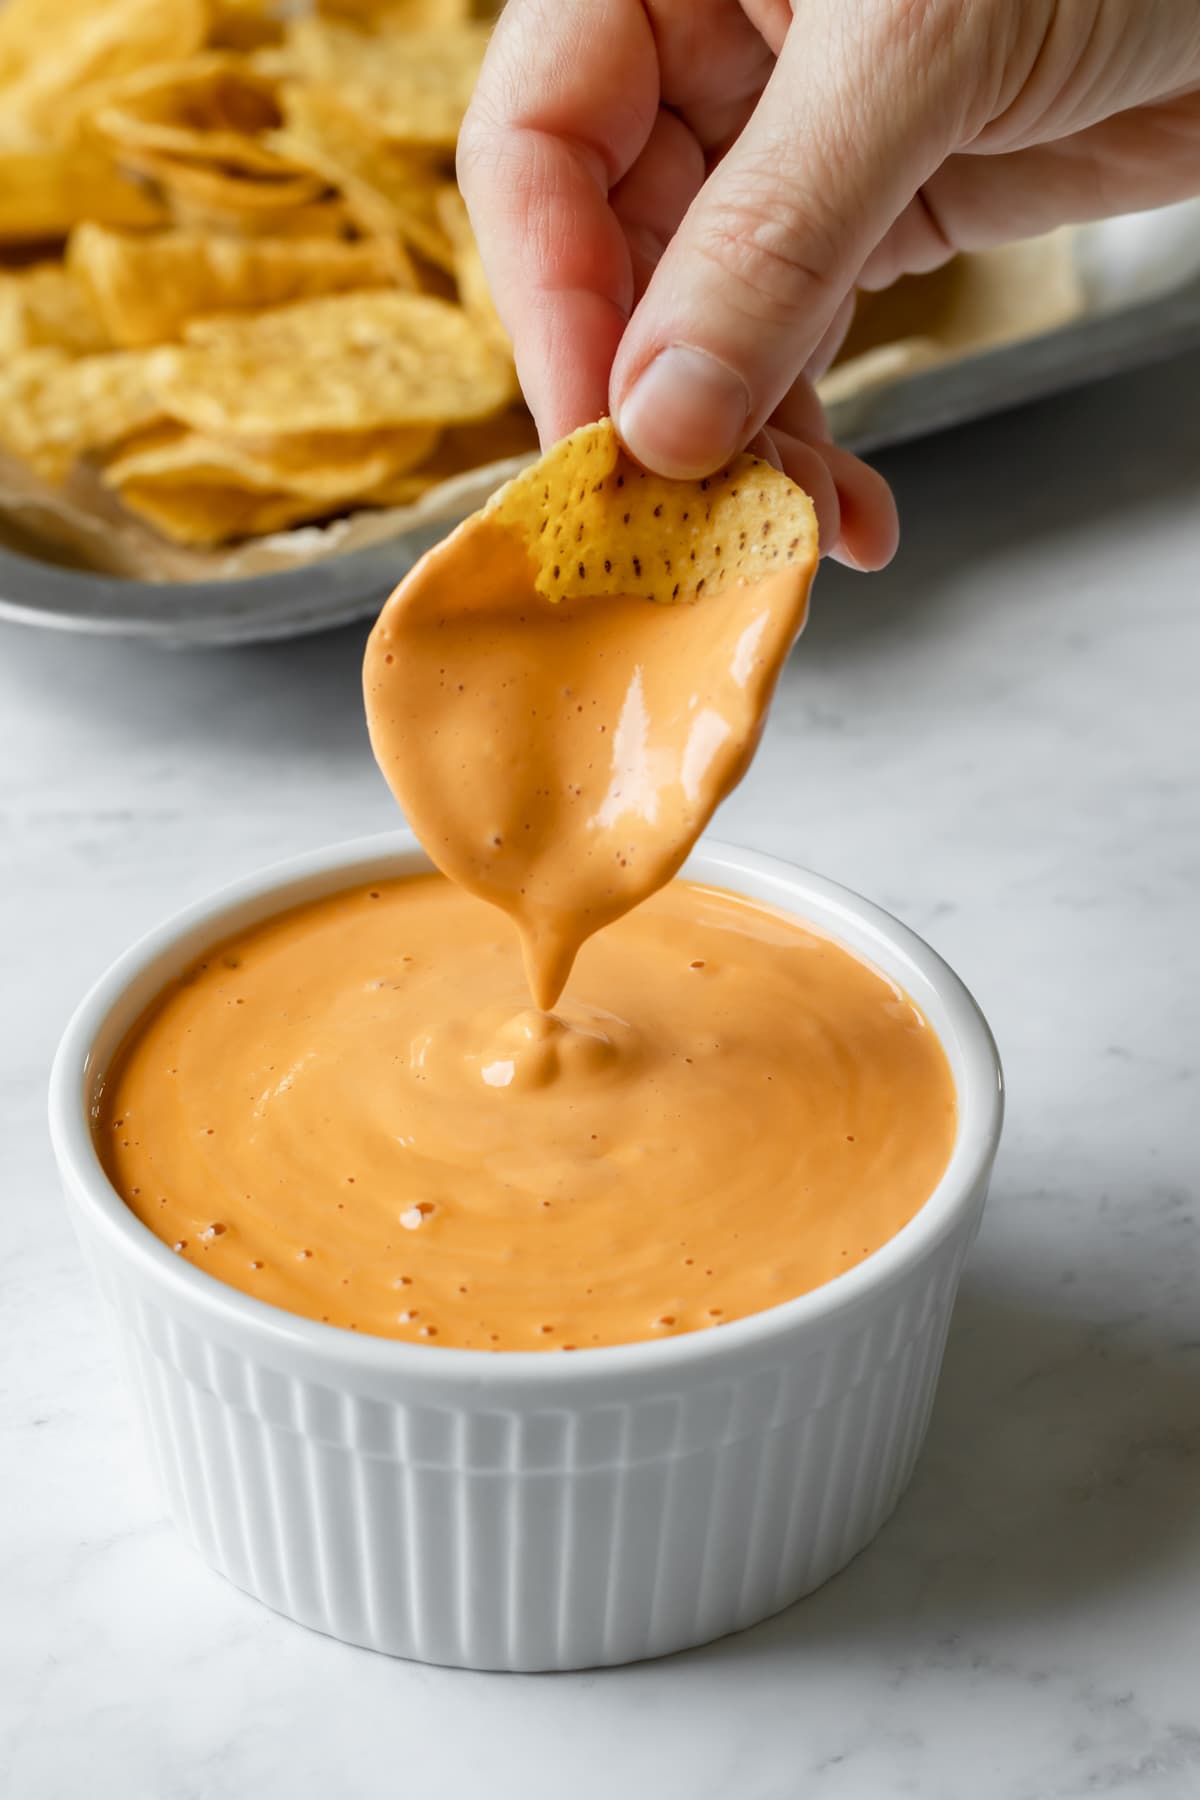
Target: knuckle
{"points": [[503, 166], [900, 23], [905, 18], [468, 155], [775, 250], [494, 112], [477, 136]]}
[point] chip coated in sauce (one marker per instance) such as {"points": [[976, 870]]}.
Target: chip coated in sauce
{"points": [[562, 692]]}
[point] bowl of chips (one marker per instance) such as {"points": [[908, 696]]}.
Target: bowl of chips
{"points": [[243, 321]]}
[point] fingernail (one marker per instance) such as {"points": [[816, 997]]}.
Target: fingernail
{"points": [[686, 413]]}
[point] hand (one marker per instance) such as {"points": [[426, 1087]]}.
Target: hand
{"points": [[676, 199]]}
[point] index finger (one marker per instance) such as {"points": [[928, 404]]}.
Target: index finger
{"points": [[566, 101]]}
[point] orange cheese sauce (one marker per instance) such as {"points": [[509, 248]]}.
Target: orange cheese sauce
{"points": [[351, 1110], [560, 760]]}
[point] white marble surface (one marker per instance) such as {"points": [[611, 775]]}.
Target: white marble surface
{"points": [[999, 739]]}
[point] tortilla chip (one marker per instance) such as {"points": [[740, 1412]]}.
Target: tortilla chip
{"points": [[173, 456], [484, 441], [331, 467], [348, 362], [160, 434], [595, 523], [53, 51], [54, 409], [336, 465], [43, 306], [326, 219], [387, 191], [400, 490], [45, 191], [210, 109], [219, 191], [414, 87], [473, 289], [737, 553], [211, 513], [275, 61], [146, 288], [244, 24], [398, 15], [460, 449]]}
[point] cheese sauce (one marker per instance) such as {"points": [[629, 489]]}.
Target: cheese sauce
{"points": [[352, 1110]]}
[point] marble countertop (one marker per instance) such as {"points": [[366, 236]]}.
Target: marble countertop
{"points": [[1000, 740]]}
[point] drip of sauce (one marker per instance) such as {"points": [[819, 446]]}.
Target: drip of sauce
{"points": [[561, 760], [352, 1110]]}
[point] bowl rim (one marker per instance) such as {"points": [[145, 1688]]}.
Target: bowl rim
{"points": [[904, 955]]}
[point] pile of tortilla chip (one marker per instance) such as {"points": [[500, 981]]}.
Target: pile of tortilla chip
{"points": [[238, 287]]}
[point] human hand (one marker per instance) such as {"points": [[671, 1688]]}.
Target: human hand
{"points": [[676, 199]]}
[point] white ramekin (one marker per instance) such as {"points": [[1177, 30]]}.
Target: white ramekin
{"points": [[519, 1510]]}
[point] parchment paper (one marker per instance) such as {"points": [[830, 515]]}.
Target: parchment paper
{"points": [[975, 303]]}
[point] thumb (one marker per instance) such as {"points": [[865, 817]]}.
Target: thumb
{"points": [[860, 108]]}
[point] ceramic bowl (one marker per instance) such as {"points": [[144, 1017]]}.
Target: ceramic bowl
{"points": [[524, 1510]]}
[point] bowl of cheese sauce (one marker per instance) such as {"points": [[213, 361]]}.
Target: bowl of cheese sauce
{"points": [[521, 1339]]}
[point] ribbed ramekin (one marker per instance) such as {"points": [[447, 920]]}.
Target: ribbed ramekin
{"points": [[524, 1510]]}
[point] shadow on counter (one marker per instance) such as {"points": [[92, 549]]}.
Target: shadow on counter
{"points": [[1062, 1466]]}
